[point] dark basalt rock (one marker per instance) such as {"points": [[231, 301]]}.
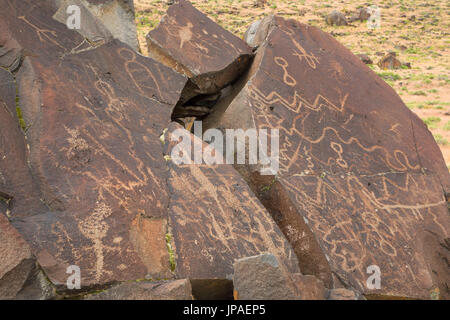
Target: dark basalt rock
{"points": [[94, 152], [336, 18], [17, 261], [191, 43], [86, 176], [390, 61], [361, 178], [216, 219], [145, 290], [263, 277]]}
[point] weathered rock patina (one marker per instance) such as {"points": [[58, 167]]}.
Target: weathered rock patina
{"points": [[93, 150], [17, 261], [361, 179], [263, 277], [191, 43], [87, 178], [215, 219]]}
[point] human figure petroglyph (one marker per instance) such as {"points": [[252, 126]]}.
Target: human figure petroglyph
{"points": [[301, 53], [95, 228]]}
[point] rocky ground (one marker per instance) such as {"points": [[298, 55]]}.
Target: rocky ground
{"points": [[417, 30]]}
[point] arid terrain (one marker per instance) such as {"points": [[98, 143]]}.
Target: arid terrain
{"points": [[418, 31]]}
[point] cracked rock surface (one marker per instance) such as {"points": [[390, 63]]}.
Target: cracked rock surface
{"points": [[86, 176], [361, 181]]}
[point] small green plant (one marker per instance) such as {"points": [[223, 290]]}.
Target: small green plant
{"points": [[389, 76], [440, 139], [447, 126], [432, 122], [171, 252]]}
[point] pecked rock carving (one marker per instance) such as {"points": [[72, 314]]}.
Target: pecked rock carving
{"points": [[189, 42], [361, 180], [92, 150], [87, 178], [215, 219]]}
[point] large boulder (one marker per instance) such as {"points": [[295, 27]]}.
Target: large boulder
{"points": [[361, 179], [191, 43], [102, 181], [216, 219], [263, 277]]}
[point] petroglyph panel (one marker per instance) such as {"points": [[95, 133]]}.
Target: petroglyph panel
{"points": [[191, 43], [376, 220], [215, 218], [95, 115], [360, 168]]}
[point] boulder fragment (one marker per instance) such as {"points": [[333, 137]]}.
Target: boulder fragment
{"points": [[90, 26], [336, 18], [361, 178], [343, 294], [262, 277], [362, 14], [19, 194], [365, 58], [309, 287], [145, 290], [258, 30], [117, 16], [390, 61], [189, 42]]}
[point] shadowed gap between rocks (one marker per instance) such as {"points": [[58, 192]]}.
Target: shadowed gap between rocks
{"points": [[195, 106], [212, 289]]}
